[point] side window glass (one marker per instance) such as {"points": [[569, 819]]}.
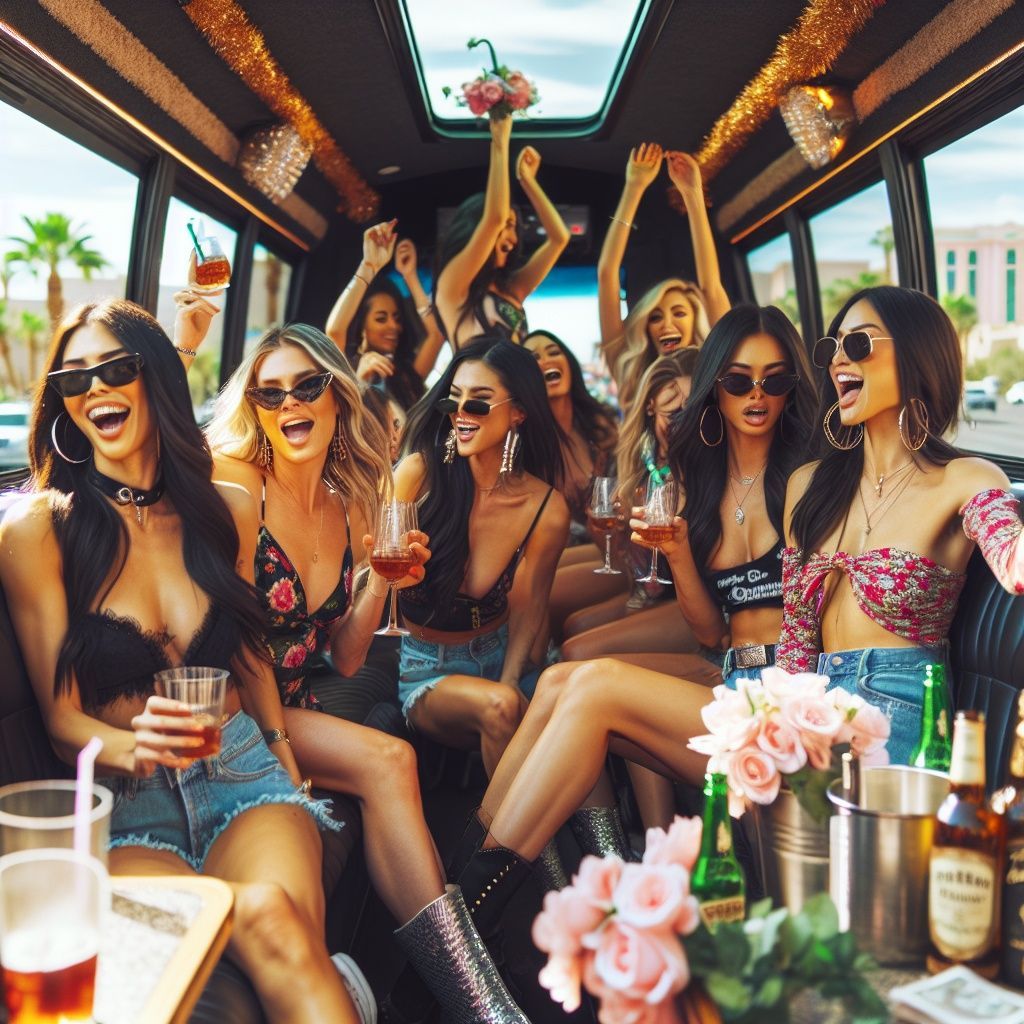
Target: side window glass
{"points": [[771, 272], [268, 293]]}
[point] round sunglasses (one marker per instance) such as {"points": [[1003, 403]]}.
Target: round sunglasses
{"points": [[857, 346], [115, 373], [308, 390], [474, 406], [777, 384]]}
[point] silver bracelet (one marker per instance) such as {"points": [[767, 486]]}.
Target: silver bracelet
{"points": [[426, 310], [186, 351], [625, 223]]}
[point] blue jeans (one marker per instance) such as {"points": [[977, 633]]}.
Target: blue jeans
{"points": [[731, 672], [891, 678]]}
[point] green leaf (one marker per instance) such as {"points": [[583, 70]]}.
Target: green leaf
{"points": [[809, 785], [821, 915], [770, 992], [732, 947], [762, 908], [728, 992], [864, 962], [446, 91], [795, 935]]}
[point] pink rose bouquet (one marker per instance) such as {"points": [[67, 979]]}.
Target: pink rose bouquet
{"points": [[786, 725], [498, 92]]}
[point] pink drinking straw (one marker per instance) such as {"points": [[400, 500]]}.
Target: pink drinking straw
{"points": [[83, 795]]}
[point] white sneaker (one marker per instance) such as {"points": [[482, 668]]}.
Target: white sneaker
{"points": [[357, 986]]}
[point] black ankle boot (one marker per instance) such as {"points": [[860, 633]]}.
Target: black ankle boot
{"points": [[469, 842]]}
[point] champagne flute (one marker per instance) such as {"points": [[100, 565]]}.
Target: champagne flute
{"points": [[603, 518], [392, 557], [659, 514]]}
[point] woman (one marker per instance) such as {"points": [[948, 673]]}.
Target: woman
{"points": [[290, 428], [123, 562], [673, 314], [477, 285], [370, 321], [882, 527]]}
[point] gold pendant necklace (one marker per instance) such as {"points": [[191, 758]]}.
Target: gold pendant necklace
{"points": [[892, 473], [888, 503], [739, 515]]}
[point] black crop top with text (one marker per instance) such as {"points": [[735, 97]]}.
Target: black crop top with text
{"points": [[756, 584]]}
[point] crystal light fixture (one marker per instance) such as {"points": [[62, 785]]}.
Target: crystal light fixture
{"points": [[272, 158], [819, 120]]}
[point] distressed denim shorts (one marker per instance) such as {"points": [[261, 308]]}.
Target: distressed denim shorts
{"points": [[891, 678], [184, 812], [731, 671], [422, 665]]}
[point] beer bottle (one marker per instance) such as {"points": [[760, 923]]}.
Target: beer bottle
{"points": [[934, 747], [963, 870], [1011, 800], [717, 878]]}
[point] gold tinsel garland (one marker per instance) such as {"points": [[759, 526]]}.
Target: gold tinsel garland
{"points": [[241, 45], [809, 50]]}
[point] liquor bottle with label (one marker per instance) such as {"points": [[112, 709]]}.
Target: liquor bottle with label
{"points": [[717, 879], [963, 870], [1011, 803], [934, 748]]}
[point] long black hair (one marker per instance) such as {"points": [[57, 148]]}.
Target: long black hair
{"points": [[93, 538], [450, 489], [930, 369], [703, 469], [455, 239], [406, 385], [593, 419]]}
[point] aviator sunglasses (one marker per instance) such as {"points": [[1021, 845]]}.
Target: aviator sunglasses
{"points": [[115, 373], [474, 406], [857, 346], [740, 384], [308, 390]]}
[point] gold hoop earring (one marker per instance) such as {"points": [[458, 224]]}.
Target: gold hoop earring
{"points": [[721, 426], [449, 448], [919, 411], [339, 450], [856, 433], [265, 453]]}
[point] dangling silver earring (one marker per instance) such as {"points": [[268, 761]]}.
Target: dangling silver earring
{"points": [[854, 436], [265, 453], [339, 450], [511, 450], [721, 426], [449, 448], [919, 413], [56, 447]]}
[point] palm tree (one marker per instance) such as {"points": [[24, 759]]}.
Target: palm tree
{"points": [[884, 240], [32, 325], [961, 309], [272, 282], [51, 241], [835, 294], [7, 271]]}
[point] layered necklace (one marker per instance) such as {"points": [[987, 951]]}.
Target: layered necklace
{"points": [[892, 474], [138, 497], [883, 506], [748, 482]]}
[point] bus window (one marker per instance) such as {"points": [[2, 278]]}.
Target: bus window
{"points": [[268, 293], [771, 273], [853, 248], [976, 200], [204, 375]]}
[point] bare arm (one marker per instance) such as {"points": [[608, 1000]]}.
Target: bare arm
{"points": [[426, 355], [685, 175], [378, 246], [526, 280]]}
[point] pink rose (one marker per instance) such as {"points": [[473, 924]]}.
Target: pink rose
{"points": [[562, 976], [492, 92], [474, 98], [656, 897], [281, 596], [781, 686], [730, 721], [596, 880], [568, 916], [520, 91], [754, 773], [680, 845], [294, 656], [782, 742], [869, 730], [640, 965], [818, 722]]}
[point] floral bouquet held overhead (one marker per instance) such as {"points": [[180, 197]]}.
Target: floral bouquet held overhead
{"points": [[496, 93]]}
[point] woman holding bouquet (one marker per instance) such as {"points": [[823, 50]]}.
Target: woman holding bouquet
{"points": [[478, 282]]}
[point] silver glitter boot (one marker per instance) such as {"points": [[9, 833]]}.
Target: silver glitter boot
{"points": [[442, 944], [599, 831], [549, 870]]}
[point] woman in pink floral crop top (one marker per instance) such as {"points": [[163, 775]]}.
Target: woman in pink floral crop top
{"points": [[880, 529]]}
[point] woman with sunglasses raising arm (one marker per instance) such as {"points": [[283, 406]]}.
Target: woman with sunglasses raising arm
{"points": [[290, 427], [881, 528]]}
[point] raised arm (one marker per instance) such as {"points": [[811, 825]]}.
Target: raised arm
{"points": [[378, 246], [641, 169], [405, 264], [528, 277], [457, 275], [685, 174]]}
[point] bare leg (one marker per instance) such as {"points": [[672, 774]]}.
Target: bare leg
{"points": [[654, 796], [576, 586], [658, 629], [611, 609], [380, 771], [580, 554]]}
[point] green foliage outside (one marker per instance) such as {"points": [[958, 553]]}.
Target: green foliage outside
{"points": [[1007, 364]]}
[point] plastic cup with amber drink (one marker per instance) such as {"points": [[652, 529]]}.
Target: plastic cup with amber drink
{"points": [[202, 689], [209, 269]]}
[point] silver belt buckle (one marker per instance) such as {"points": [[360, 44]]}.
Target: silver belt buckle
{"points": [[754, 656]]}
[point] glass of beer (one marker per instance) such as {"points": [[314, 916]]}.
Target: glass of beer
{"points": [[209, 270], [202, 689], [603, 515], [36, 815], [659, 514], [51, 906], [392, 557]]}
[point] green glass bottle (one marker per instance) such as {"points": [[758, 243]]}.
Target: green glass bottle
{"points": [[717, 880], [935, 746]]}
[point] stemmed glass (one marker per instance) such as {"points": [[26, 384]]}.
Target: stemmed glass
{"points": [[392, 557], [659, 514], [604, 518]]}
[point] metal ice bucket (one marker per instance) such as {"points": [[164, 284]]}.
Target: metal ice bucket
{"points": [[880, 844]]}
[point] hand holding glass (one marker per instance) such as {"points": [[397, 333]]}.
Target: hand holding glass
{"points": [[202, 689], [392, 556], [659, 515], [210, 270], [604, 517]]}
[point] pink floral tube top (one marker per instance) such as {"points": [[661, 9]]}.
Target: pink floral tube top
{"points": [[906, 593]]}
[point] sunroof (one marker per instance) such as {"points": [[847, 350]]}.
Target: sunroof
{"points": [[573, 50]]}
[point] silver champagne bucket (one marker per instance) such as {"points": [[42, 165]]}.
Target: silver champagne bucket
{"points": [[880, 843]]}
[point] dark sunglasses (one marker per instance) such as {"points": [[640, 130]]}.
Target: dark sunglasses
{"points": [[474, 406], [857, 345], [308, 390], [742, 383], [115, 373]]}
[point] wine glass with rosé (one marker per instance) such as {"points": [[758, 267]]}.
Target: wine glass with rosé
{"points": [[662, 501], [603, 514], [392, 556], [209, 269]]}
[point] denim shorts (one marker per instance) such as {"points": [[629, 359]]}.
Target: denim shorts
{"points": [[891, 678], [184, 812], [731, 672], [422, 665]]}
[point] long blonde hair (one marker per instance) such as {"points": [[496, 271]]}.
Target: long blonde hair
{"points": [[637, 428], [631, 354], [363, 477]]}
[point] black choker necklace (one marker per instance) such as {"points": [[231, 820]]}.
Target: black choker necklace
{"points": [[138, 497]]}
